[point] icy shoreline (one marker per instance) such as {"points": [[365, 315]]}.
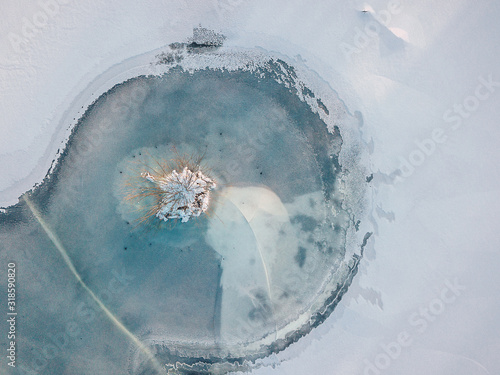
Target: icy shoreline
{"points": [[90, 89], [333, 114], [353, 155], [71, 111]]}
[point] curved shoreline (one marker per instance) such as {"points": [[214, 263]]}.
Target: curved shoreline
{"points": [[252, 60]]}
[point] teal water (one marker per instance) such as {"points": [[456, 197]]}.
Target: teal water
{"points": [[210, 288]]}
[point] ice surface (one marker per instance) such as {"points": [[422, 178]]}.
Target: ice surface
{"points": [[437, 224], [273, 254]]}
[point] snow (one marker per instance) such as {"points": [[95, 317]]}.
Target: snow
{"points": [[183, 195], [437, 224]]}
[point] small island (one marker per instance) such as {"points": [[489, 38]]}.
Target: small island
{"points": [[180, 195]]}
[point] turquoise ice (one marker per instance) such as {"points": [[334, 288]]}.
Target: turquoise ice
{"points": [[266, 264]]}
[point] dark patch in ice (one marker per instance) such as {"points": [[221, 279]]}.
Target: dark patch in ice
{"points": [[176, 45], [262, 311], [300, 258], [322, 106], [357, 225], [168, 58], [307, 92], [320, 245], [203, 37], [307, 223], [388, 215], [365, 241]]}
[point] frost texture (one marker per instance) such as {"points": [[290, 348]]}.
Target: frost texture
{"points": [[183, 195], [206, 37]]}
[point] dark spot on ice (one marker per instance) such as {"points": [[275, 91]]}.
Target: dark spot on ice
{"points": [[300, 258], [307, 92], [125, 248], [307, 223], [322, 106], [369, 178], [262, 311]]}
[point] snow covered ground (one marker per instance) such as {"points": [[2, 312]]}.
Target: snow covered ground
{"points": [[425, 80]]}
